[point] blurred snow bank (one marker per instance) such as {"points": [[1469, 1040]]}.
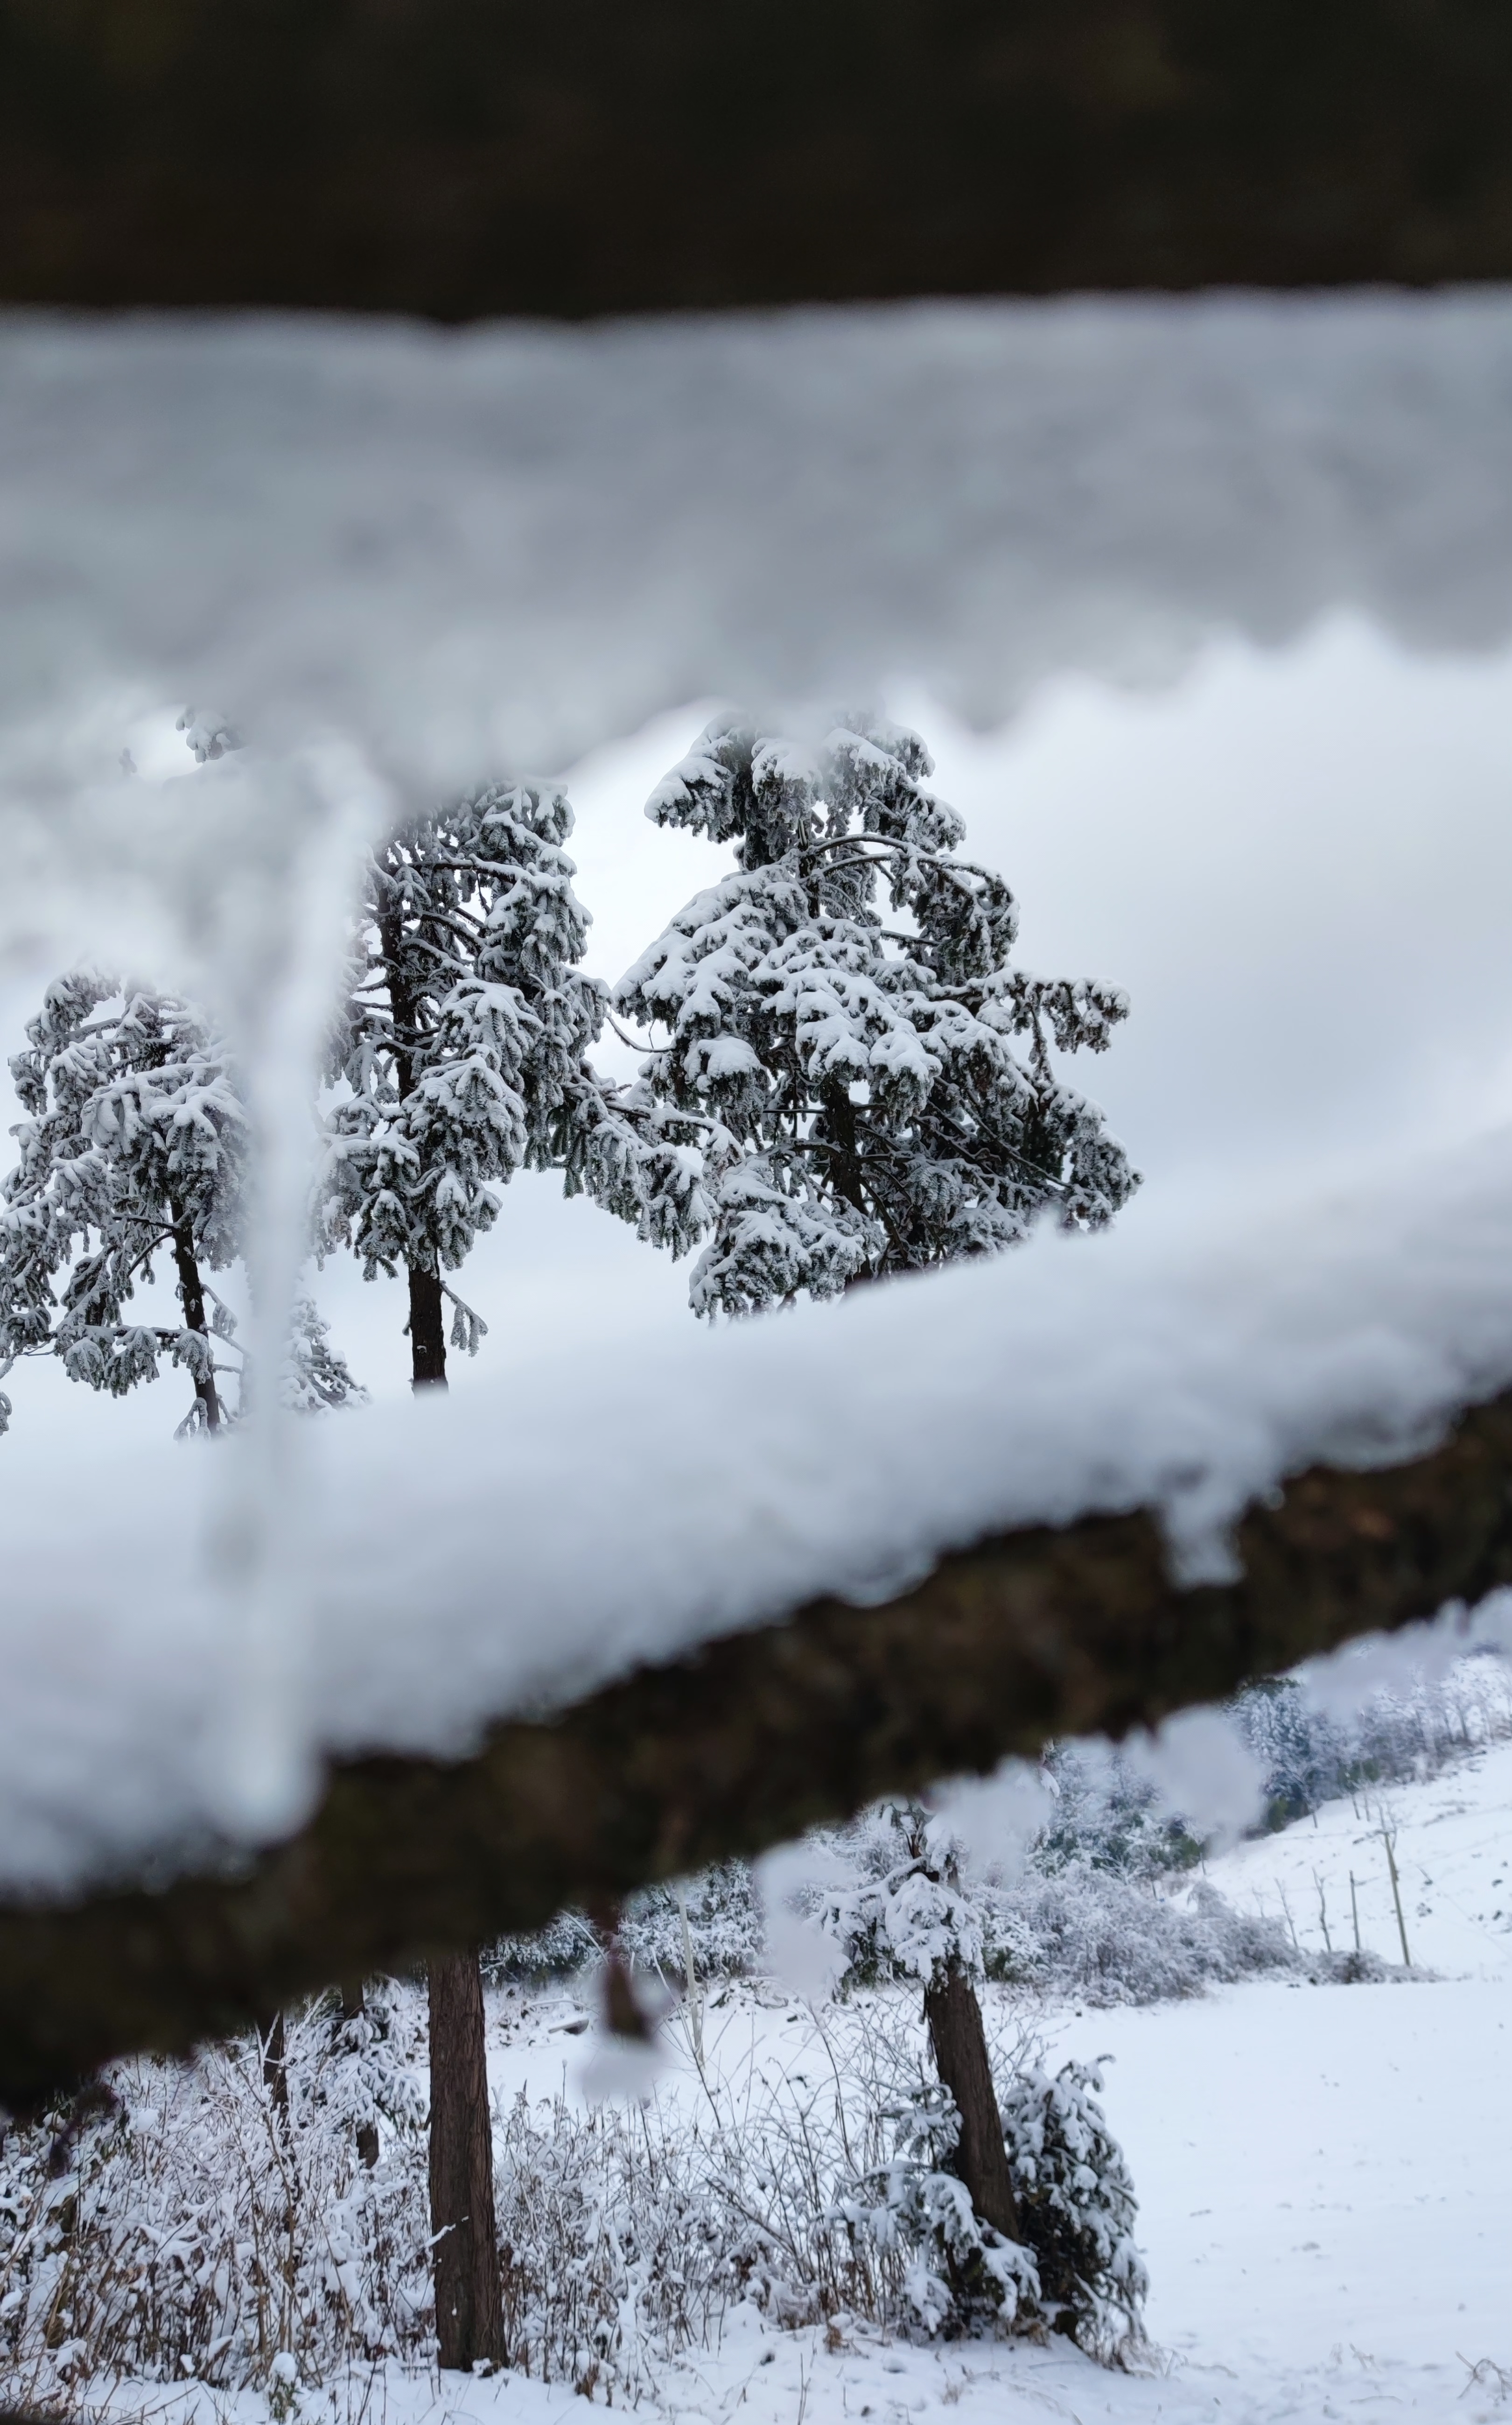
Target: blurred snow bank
{"points": [[463, 552], [453, 1561]]}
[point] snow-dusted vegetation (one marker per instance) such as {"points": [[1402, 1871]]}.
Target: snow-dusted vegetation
{"points": [[219, 2220], [258, 2220]]}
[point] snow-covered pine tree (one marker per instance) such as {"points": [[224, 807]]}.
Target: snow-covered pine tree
{"points": [[133, 1153], [460, 1057], [1041, 2170], [874, 1086], [910, 1917]]}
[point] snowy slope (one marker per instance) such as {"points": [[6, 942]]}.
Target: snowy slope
{"points": [[1454, 1856], [1323, 2193], [1323, 2205]]}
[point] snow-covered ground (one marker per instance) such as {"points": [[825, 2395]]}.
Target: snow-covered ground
{"points": [[1321, 2170], [1453, 1845]]}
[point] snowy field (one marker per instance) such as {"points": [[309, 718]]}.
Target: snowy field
{"points": [[1324, 2199], [1325, 2212]]}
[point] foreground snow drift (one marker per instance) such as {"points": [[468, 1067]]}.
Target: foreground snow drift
{"points": [[439, 1566]]}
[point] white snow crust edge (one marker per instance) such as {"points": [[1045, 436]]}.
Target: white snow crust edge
{"points": [[446, 1564]]}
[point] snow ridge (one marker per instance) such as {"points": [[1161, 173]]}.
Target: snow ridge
{"points": [[454, 1563]]}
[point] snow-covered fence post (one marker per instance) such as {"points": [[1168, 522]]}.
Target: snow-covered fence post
{"points": [[1387, 1836]]}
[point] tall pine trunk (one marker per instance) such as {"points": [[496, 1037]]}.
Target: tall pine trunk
{"points": [[960, 2048], [470, 2324], [192, 1298], [427, 1330]]}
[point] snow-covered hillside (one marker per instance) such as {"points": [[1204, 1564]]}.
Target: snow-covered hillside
{"points": [[1324, 2210], [1323, 2206], [1453, 1847]]}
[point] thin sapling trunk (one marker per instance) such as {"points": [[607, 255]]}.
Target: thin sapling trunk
{"points": [[192, 1298], [353, 2006]]}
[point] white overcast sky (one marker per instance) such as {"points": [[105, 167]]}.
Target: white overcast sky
{"points": [[1299, 864]]}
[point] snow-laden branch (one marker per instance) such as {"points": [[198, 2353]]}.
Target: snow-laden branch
{"points": [[972, 496], [456, 1563], [1014, 1501], [1037, 1633]]}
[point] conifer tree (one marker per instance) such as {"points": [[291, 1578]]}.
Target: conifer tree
{"points": [[914, 1918], [134, 1154], [872, 1082], [460, 1057], [1049, 2237], [872, 1097]]}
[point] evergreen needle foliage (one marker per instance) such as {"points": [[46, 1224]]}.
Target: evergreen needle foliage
{"points": [[872, 1082], [134, 1153], [461, 1052]]}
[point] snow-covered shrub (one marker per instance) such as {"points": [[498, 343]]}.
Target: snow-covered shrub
{"points": [[200, 2225], [724, 1922], [567, 1944], [1076, 2208], [614, 2255], [955, 2271], [1105, 1815], [1076, 1930], [1077, 2270], [723, 1925], [203, 2225], [1090, 1935]]}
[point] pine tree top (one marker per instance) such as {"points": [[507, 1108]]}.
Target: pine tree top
{"points": [[876, 1081], [461, 1054]]}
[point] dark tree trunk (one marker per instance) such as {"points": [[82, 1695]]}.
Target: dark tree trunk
{"points": [[275, 2067], [367, 2133], [192, 1298], [959, 2047], [427, 1306], [470, 2324], [427, 1331]]}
